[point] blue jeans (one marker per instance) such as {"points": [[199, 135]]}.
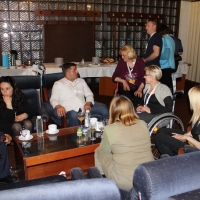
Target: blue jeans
{"points": [[99, 110]]}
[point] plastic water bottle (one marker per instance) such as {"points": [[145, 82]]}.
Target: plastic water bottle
{"points": [[39, 126], [87, 118], [5, 61]]}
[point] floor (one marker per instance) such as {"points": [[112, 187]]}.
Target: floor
{"points": [[182, 110]]}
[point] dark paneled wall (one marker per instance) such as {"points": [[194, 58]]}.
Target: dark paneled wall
{"points": [[19, 31]]}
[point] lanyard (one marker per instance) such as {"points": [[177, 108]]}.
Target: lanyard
{"points": [[130, 70], [145, 96]]}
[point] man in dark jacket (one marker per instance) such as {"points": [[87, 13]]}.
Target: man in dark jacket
{"points": [[5, 176]]}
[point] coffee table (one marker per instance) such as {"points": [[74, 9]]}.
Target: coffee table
{"points": [[53, 154]]}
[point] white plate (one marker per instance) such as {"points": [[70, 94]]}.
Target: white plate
{"points": [[47, 131], [94, 65], [24, 139]]}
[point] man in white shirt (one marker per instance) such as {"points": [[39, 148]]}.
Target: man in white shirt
{"points": [[71, 95]]}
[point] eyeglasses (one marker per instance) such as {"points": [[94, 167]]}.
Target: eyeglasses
{"points": [[147, 75]]}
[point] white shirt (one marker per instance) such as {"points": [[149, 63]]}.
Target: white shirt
{"points": [[71, 95]]}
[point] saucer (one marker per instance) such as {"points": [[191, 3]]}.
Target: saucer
{"points": [[47, 131], [94, 65], [25, 139]]}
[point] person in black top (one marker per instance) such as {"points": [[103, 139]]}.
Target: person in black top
{"points": [[169, 141], [157, 97], [178, 49], [5, 176], [15, 110], [154, 46]]}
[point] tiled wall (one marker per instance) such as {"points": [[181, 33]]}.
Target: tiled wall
{"points": [[19, 32]]}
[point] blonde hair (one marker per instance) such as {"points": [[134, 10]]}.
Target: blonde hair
{"points": [[194, 96], [129, 50], [122, 110], [154, 70]]}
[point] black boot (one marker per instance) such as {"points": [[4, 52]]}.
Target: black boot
{"points": [[9, 179]]}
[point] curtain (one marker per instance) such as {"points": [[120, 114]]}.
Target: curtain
{"points": [[193, 49]]}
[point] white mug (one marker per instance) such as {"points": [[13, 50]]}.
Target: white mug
{"points": [[27, 133], [95, 60], [52, 128], [18, 63]]}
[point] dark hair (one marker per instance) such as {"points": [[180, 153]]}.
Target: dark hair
{"points": [[67, 66], [163, 29], [17, 96]]}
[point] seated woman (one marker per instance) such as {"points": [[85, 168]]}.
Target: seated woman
{"points": [[169, 141], [129, 73], [157, 97], [125, 144], [14, 108]]}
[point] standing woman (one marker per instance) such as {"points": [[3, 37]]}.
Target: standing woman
{"points": [[125, 144], [167, 62], [14, 108], [169, 141], [129, 73]]}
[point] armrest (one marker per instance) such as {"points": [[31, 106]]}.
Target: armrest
{"points": [[77, 174], [93, 172], [189, 149]]}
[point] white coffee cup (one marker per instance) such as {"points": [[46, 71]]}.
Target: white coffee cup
{"points": [[93, 120], [52, 128], [95, 60], [59, 61], [18, 63], [27, 136]]}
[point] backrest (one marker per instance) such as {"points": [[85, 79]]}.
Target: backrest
{"points": [[33, 100], [47, 83], [168, 176], [28, 82], [98, 189]]}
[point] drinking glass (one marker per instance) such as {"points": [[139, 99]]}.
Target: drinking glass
{"points": [[92, 129], [81, 117], [101, 126]]}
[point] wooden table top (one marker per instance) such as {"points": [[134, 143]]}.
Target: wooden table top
{"points": [[54, 147]]}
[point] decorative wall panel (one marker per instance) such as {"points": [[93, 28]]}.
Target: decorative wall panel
{"points": [[19, 32]]}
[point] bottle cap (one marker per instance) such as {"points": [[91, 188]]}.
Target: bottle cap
{"points": [[38, 117]]}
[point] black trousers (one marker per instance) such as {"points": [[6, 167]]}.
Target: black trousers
{"points": [[130, 94], [166, 144], [4, 161]]}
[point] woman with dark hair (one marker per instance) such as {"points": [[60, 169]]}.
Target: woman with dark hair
{"points": [[167, 63], [15, 110], [125, 144]]}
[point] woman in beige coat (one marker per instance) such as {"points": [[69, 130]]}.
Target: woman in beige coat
{"points": [[125, 144]]}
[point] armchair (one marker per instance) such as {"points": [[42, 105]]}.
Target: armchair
{"points": [[30, 86]]}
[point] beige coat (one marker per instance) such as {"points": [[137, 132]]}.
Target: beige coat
{"points": [[122, 149]]}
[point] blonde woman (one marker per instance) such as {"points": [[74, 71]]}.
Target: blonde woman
{"points": [[125, 144], [168, 141], [157, 97], [129, 73]]}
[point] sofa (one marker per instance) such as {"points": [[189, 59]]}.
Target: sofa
{"points": [[169, 178], [57, 188]]}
